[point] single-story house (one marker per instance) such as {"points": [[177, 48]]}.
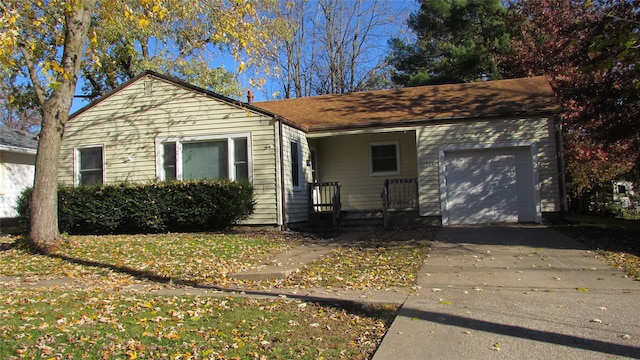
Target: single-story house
{"points": [[17, 168], [486, 152]]}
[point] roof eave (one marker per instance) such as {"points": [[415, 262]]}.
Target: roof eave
{"points": [[293, 124], [19, 150], [413, 122]]}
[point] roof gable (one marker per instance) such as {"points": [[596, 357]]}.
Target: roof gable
{"points": [[175, 82], [399, 106]]}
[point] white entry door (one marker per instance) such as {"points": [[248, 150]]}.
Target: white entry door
{"points": [[489, 186]]}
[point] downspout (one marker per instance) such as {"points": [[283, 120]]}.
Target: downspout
{"points": [[282, 178], [561, 167]]}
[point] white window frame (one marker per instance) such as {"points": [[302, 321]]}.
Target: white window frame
{"points": [[398, 162], [76, 162], [160, 141], [298, 164]]}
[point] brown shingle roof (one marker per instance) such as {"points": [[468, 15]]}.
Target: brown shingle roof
{"points": [[400, 106]]}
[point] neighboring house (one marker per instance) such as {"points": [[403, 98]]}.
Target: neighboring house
{"points": [[453, 154], [624, 193], [17, 167]]}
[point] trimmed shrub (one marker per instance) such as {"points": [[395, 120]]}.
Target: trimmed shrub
{"points": [[198, 205]]}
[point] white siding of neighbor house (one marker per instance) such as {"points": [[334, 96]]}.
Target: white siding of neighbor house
{"points": [[128, 123], [16, 174], [538, 130], [346, 159], [297, 197]]}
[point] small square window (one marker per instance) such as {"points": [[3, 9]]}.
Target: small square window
{"points": [[384, 159]]}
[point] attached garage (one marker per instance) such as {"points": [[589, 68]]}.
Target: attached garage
{"points": [[497, 184]]}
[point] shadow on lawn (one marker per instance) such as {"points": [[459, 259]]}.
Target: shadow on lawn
{"points": [[146, 275], [140, 274], [383, 311]]}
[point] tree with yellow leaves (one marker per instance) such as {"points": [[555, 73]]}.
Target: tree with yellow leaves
{"points": [[46, 40], [49, 43], [182, 39]]}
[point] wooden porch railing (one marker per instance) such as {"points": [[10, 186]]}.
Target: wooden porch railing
{"points": [[398, 194], [324, 197]]}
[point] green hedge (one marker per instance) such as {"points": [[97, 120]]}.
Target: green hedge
{"points": [[200, 205]]}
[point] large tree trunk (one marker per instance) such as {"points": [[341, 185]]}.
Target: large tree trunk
{"points": [[44, 200], [55, 113]]}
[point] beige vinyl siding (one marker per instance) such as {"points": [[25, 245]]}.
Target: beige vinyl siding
{"points": [[296, 197], [538, 130], [346, 159], [129, 121]]}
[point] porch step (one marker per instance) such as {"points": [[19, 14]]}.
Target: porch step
{"points": [[361, 221], [354, 227], [361, 215]]}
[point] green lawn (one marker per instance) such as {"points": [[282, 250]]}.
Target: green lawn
{"points": [[104, 311], [101, 325]]}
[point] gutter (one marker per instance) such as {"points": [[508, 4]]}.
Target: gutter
{"points": [[19, 150], [564, 207]]}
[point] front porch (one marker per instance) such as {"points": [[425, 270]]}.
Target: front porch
{"points": [[398, 206], [363, 179]]}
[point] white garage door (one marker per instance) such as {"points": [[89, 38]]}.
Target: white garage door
{"points": [[489, 186]]}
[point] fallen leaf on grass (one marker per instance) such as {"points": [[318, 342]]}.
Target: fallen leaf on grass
{"points": [[363, 264]]}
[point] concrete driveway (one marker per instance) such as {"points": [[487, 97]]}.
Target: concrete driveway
{"points": [[517, 292]]}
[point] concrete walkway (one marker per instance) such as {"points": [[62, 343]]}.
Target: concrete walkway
{"points": [[522, 292], [284, 264]]}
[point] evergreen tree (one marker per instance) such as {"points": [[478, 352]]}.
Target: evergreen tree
{"points": [[456, 42]]}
